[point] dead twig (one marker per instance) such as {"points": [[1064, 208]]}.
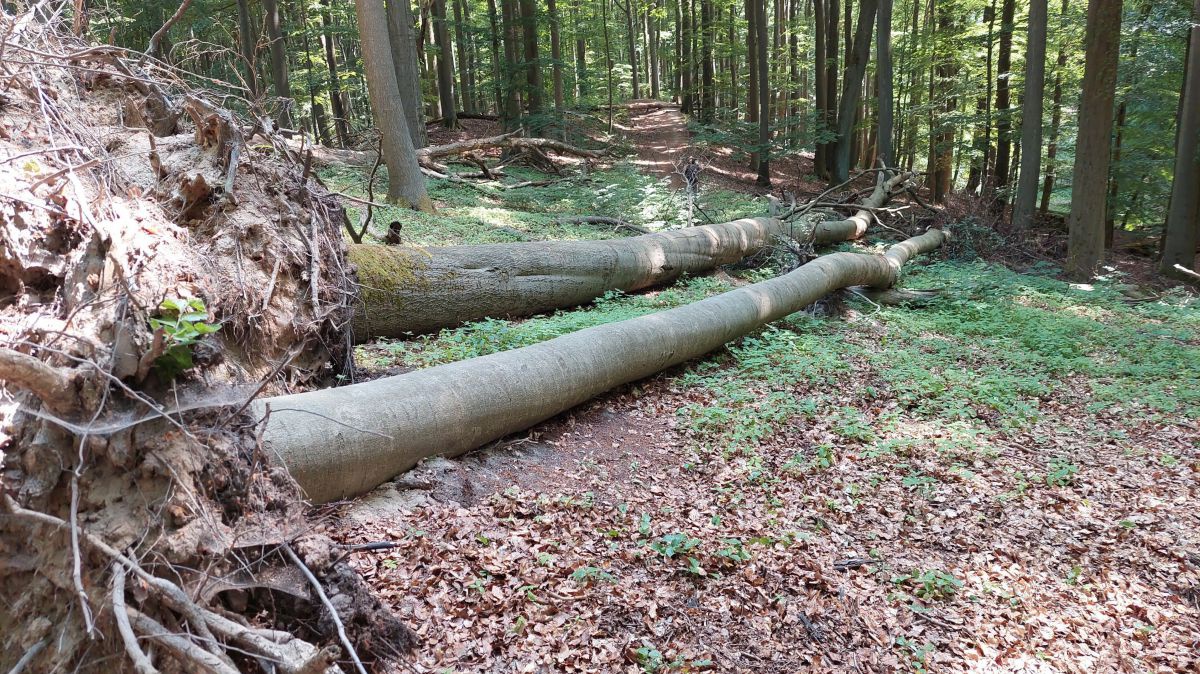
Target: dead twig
{"points": [[141, 662]]}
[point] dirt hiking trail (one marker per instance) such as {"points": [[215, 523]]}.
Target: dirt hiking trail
{"points": [[659, 132]]}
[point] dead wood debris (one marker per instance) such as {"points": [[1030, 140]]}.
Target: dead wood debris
{"points": [[110, 472]]}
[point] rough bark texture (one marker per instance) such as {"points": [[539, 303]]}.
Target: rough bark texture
{"points": [[424, 289], [1085, 245], [1183, 217], [1031, 116], [344, 441]]}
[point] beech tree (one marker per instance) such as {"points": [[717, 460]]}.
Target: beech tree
{"points": [[1031, 116], [1183, 217], [1089, 184], [406, 185]]}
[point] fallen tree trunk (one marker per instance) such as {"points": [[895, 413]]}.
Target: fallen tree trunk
{"points": [[341, 442], [421, 290], [415, 290]]}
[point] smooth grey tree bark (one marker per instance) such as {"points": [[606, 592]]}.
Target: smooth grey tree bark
{"points": [[1031, 116], [852, 85], [279, 63], [340, 442], [1089, 185], [1183, 216], [408, 75], [406, 184], [883, 76]]}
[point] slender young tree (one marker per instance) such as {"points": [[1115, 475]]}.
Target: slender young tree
{"points": [[1183, 215], [247, 44], [462, 56], [445, 65], [752, 65], [852, 85], [408, 74], [406, 185], [631, 41], [708, 102], [1055, 119], [1004, 94], [1031, 116], [764, 95], [335, 87], [279, 61], [1085, 242], [819, 27], [555, 57], [883, 78]]}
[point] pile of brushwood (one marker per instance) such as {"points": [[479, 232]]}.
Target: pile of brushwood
{"points": [[162, 262]]}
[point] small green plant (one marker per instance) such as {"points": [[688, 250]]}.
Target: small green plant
{"points": [[671, 545], [824, 458], [1061, 473], [183, 322], [931, 584], [588, 575], [733, 550], [918, 653]]}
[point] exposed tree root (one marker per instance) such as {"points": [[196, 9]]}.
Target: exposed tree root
{"points": [[141, 526]]}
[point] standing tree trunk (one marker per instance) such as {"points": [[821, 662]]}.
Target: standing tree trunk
{"points": [[1031, 116], [581, 73], [335, 87], [555, 57], [832, 13], [512, 50], [752, 66], [465, 90], [1055, 120], [852, 85], [408, 75], [685, 57], [532, 65], [821, 90], [1085, 243], [1004, 94], [1183, 215], [630, 15], [655, 38], [1114, 187], [279, 64], [247, 42], [406, 185], [883, 79], [764, 95], [498, 61], [445, 65], [708, 100], [608, 60]]}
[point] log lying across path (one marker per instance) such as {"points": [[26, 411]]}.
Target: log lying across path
{"points": [[406, 289], [342, 442]]}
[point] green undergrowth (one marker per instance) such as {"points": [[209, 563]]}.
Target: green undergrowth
{"points": [[494, 335], [466, 215], [989, 355]]}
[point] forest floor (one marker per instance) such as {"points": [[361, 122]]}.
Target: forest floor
{"points": [[1002, 480]]}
